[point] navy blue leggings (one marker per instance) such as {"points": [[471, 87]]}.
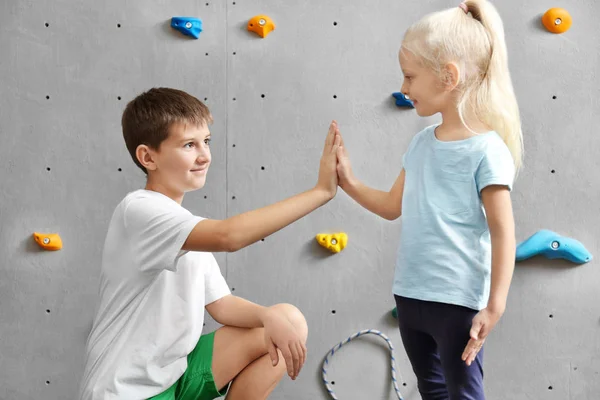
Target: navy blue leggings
{"points": [[434, 337]]}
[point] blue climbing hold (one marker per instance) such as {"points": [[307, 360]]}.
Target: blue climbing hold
{"points": [[187, 25], [551, 245], [402, 100]]}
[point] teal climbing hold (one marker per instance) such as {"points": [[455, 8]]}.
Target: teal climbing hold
{"points": [[552, 245], [189, 26], [395, 312]]}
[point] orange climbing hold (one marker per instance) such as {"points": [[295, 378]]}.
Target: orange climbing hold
{"points": [[48, 241], [262, 25], [557, 20]]}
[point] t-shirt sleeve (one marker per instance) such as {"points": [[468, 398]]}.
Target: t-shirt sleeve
{"points": [[157, 230], [496, 167], [215, 285]]}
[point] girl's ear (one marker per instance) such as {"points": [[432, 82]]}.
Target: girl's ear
{"points": [[451, 76]]}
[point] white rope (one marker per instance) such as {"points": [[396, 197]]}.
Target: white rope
{"points": [[361, 333]]}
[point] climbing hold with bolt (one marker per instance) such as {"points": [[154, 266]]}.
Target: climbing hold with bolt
{"points": [[335, 242], [402, 100], [189, 26], [557, 20], [262, 25], [552, 245], [48, 241]]}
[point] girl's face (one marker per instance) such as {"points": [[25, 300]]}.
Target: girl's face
{"points": [[422, 86]]}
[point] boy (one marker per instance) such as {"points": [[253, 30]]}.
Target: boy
{"points": [[158, 273]]}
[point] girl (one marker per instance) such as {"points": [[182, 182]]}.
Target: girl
{"points": [[457, 249]]}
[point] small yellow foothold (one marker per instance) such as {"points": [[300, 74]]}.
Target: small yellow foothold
{"points": [[48, 241], [335, 242], [262, 25]]}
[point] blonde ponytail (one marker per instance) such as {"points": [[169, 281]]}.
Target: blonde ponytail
{"points": [[476, 42]]}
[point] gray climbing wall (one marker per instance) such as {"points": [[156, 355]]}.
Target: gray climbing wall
{"points": [[68, 68]]}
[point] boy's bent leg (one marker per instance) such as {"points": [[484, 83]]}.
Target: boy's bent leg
{"points": [[241, 355]]}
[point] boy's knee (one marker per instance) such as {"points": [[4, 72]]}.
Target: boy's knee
{"points": [[295, 316]]}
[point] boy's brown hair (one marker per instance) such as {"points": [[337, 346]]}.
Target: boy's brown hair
{"points": [[148, 118]]}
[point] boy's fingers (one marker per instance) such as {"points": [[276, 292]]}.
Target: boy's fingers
{"points": [[329, 138], [273, 353], [295, 358], [302, 356], [304, 351], [289, 362]]}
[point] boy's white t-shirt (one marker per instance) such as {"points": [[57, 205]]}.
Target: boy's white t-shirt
{"points": [[152, 299]]}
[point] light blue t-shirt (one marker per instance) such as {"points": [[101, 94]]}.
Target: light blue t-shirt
{"points": [[445, 248]]}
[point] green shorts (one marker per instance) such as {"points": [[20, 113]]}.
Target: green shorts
{"points": [[197, 382]]}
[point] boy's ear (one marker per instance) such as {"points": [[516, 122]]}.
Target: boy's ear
{"points": [[451, 76], [145, 156]]}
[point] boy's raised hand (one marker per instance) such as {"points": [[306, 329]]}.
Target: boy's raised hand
{"points": [[328, 179]]}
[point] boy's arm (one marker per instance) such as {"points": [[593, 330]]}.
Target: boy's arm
{"points": [[242, 230], [387, 205], [279, 331], [236, 311]]}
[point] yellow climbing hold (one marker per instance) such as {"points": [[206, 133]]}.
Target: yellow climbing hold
{"points": [[335, 242], [48, 241], [262, 25]]}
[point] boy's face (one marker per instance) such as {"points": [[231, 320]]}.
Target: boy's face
{"points": [[422, 86], [182, 160]]}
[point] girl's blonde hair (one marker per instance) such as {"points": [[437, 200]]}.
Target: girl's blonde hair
{"points": [[476, 43]]}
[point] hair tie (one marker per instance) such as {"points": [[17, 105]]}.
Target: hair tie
{"points": [[464, 7]]}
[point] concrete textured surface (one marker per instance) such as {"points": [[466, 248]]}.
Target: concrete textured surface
{"points": [[67, 70]]}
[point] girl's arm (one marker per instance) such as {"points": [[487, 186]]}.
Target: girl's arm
{"points": [[498, 208], [387, 205]]}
